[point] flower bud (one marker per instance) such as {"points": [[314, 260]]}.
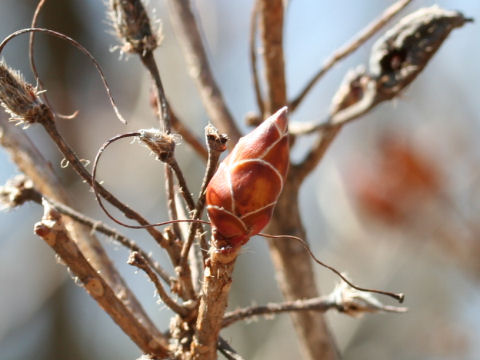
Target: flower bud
{"points": [[244, 191]]}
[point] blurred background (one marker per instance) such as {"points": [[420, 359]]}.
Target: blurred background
{"points": [[395, 203]]}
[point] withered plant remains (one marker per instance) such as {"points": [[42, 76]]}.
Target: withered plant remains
{"points": [[254, 186]]}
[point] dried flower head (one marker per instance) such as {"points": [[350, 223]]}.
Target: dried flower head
{"points": [[161, 144], [132, 26], [356, 303], [19, 98], [402, 53], [17, 191]]}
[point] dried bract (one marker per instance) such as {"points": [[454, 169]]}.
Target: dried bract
{"points": [[132, 26], [19, 98], [402, 53], [161, 144]]}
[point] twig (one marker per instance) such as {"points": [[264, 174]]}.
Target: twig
{"points": [[31, 48], [20, 189], [253, 58], [30, 161], [350, 47], [182, 183], [171, 206], [100, 227], [294, 268], [216, 144], [137, 260], [149, 62], [53, 231], [271, 25], [79, 47], [189, 35], [80, 169], [186, 134], [343, 299]]}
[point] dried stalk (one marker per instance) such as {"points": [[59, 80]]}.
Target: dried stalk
{"points": [[343, 299], [349, 48], [216, 145], [100, 227], [52, 229], [292, 263], [137, 260], [30, 162], [188, 34]]}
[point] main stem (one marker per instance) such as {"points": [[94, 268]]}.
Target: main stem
{"points": [[296, 277], [216, 287], [292, 263]]}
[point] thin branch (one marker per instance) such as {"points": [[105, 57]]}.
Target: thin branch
{"points": [[149, 62], [188, 34], [182, 183], [350, 47], [79, 47], [343, 299], [31, 162], [216, 143], [253, 58], [96, 225], [53, 231], [187, 135], [80, 169], [271, 25], [171, 205], [137, 260]]}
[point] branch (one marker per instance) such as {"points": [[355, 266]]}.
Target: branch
{"points": [[80, 169], [188, 34], [271, 26], [30, 162], [343, 299], [216, 143], [137, 260], [217, 281], [396, 59], [100, 227], [253, 58], [350, 47], [52, 229]]}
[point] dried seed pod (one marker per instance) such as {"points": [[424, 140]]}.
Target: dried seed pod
{"points": [[402, 53], [20, 99], [132, 25], [244, 191]]}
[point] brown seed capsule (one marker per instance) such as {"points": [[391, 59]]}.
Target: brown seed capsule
{"points": [[19, 98], [402, 53], [244, 191], [132, 25]]}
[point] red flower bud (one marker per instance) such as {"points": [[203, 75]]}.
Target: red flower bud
{"points": [[243, 192]]}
